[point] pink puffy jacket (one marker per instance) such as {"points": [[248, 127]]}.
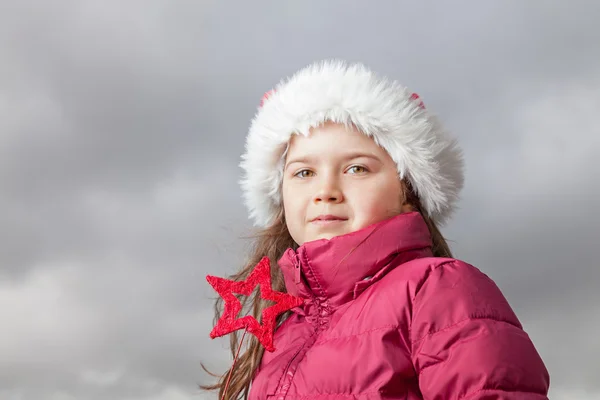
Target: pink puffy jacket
{"points": [[389, 321]]}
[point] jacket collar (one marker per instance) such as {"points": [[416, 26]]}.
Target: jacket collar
{"points": [[329, 272]]}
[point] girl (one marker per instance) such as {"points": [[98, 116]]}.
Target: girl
{"points": [[349, 177]]}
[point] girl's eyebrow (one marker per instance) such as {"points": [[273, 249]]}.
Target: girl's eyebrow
{"points": [[349, 156], [303, 160], [358, 154]]}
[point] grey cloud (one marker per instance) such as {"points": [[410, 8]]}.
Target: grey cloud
{"points": [[121, 129]]}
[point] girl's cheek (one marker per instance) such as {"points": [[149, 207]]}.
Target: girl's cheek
{"points": [[367, 203]]}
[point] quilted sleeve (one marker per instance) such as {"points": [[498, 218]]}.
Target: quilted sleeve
{"points": [[467, 343]]}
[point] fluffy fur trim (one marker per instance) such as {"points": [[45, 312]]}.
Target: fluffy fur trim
{"points": [[350, 94]]}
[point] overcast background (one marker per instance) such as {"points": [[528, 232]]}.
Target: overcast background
{"points": [[121, 127]]}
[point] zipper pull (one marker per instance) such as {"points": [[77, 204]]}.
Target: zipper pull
{"points": [[297, 270]]}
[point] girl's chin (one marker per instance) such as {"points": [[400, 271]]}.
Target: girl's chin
{"points": [[328, 234]]}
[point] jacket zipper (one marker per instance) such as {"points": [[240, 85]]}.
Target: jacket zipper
{"points": [[285, 383], [280, 388]]}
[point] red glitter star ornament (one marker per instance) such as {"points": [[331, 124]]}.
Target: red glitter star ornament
{"points": [[229, 321]]}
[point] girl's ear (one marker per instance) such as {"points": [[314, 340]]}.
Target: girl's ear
{"points": [[410, 202], [406, 208]]}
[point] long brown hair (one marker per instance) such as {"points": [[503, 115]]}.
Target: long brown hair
{"points": [[273, 242]]}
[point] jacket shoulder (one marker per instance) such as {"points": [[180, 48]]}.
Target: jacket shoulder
{"points": [[465, 338], [451, 291], [416, 273]]}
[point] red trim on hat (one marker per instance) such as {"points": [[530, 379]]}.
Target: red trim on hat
{"points": [[266, 97], [415, 96]]}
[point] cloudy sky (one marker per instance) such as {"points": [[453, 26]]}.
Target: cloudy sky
{"points": [[121, 127]]}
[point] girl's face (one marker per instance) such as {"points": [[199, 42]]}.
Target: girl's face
{"points": [[338, 181]]}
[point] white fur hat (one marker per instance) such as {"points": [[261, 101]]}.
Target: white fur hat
{"points": [[350, 94]]}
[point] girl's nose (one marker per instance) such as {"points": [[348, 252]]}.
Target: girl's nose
{"points": [[329, 192]]}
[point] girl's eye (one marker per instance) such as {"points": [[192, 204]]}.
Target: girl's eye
{"points": [[357, 169], [305, 173]]}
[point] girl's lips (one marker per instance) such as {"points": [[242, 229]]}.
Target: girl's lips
{"points": [[328, 221], [328, 217]]}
